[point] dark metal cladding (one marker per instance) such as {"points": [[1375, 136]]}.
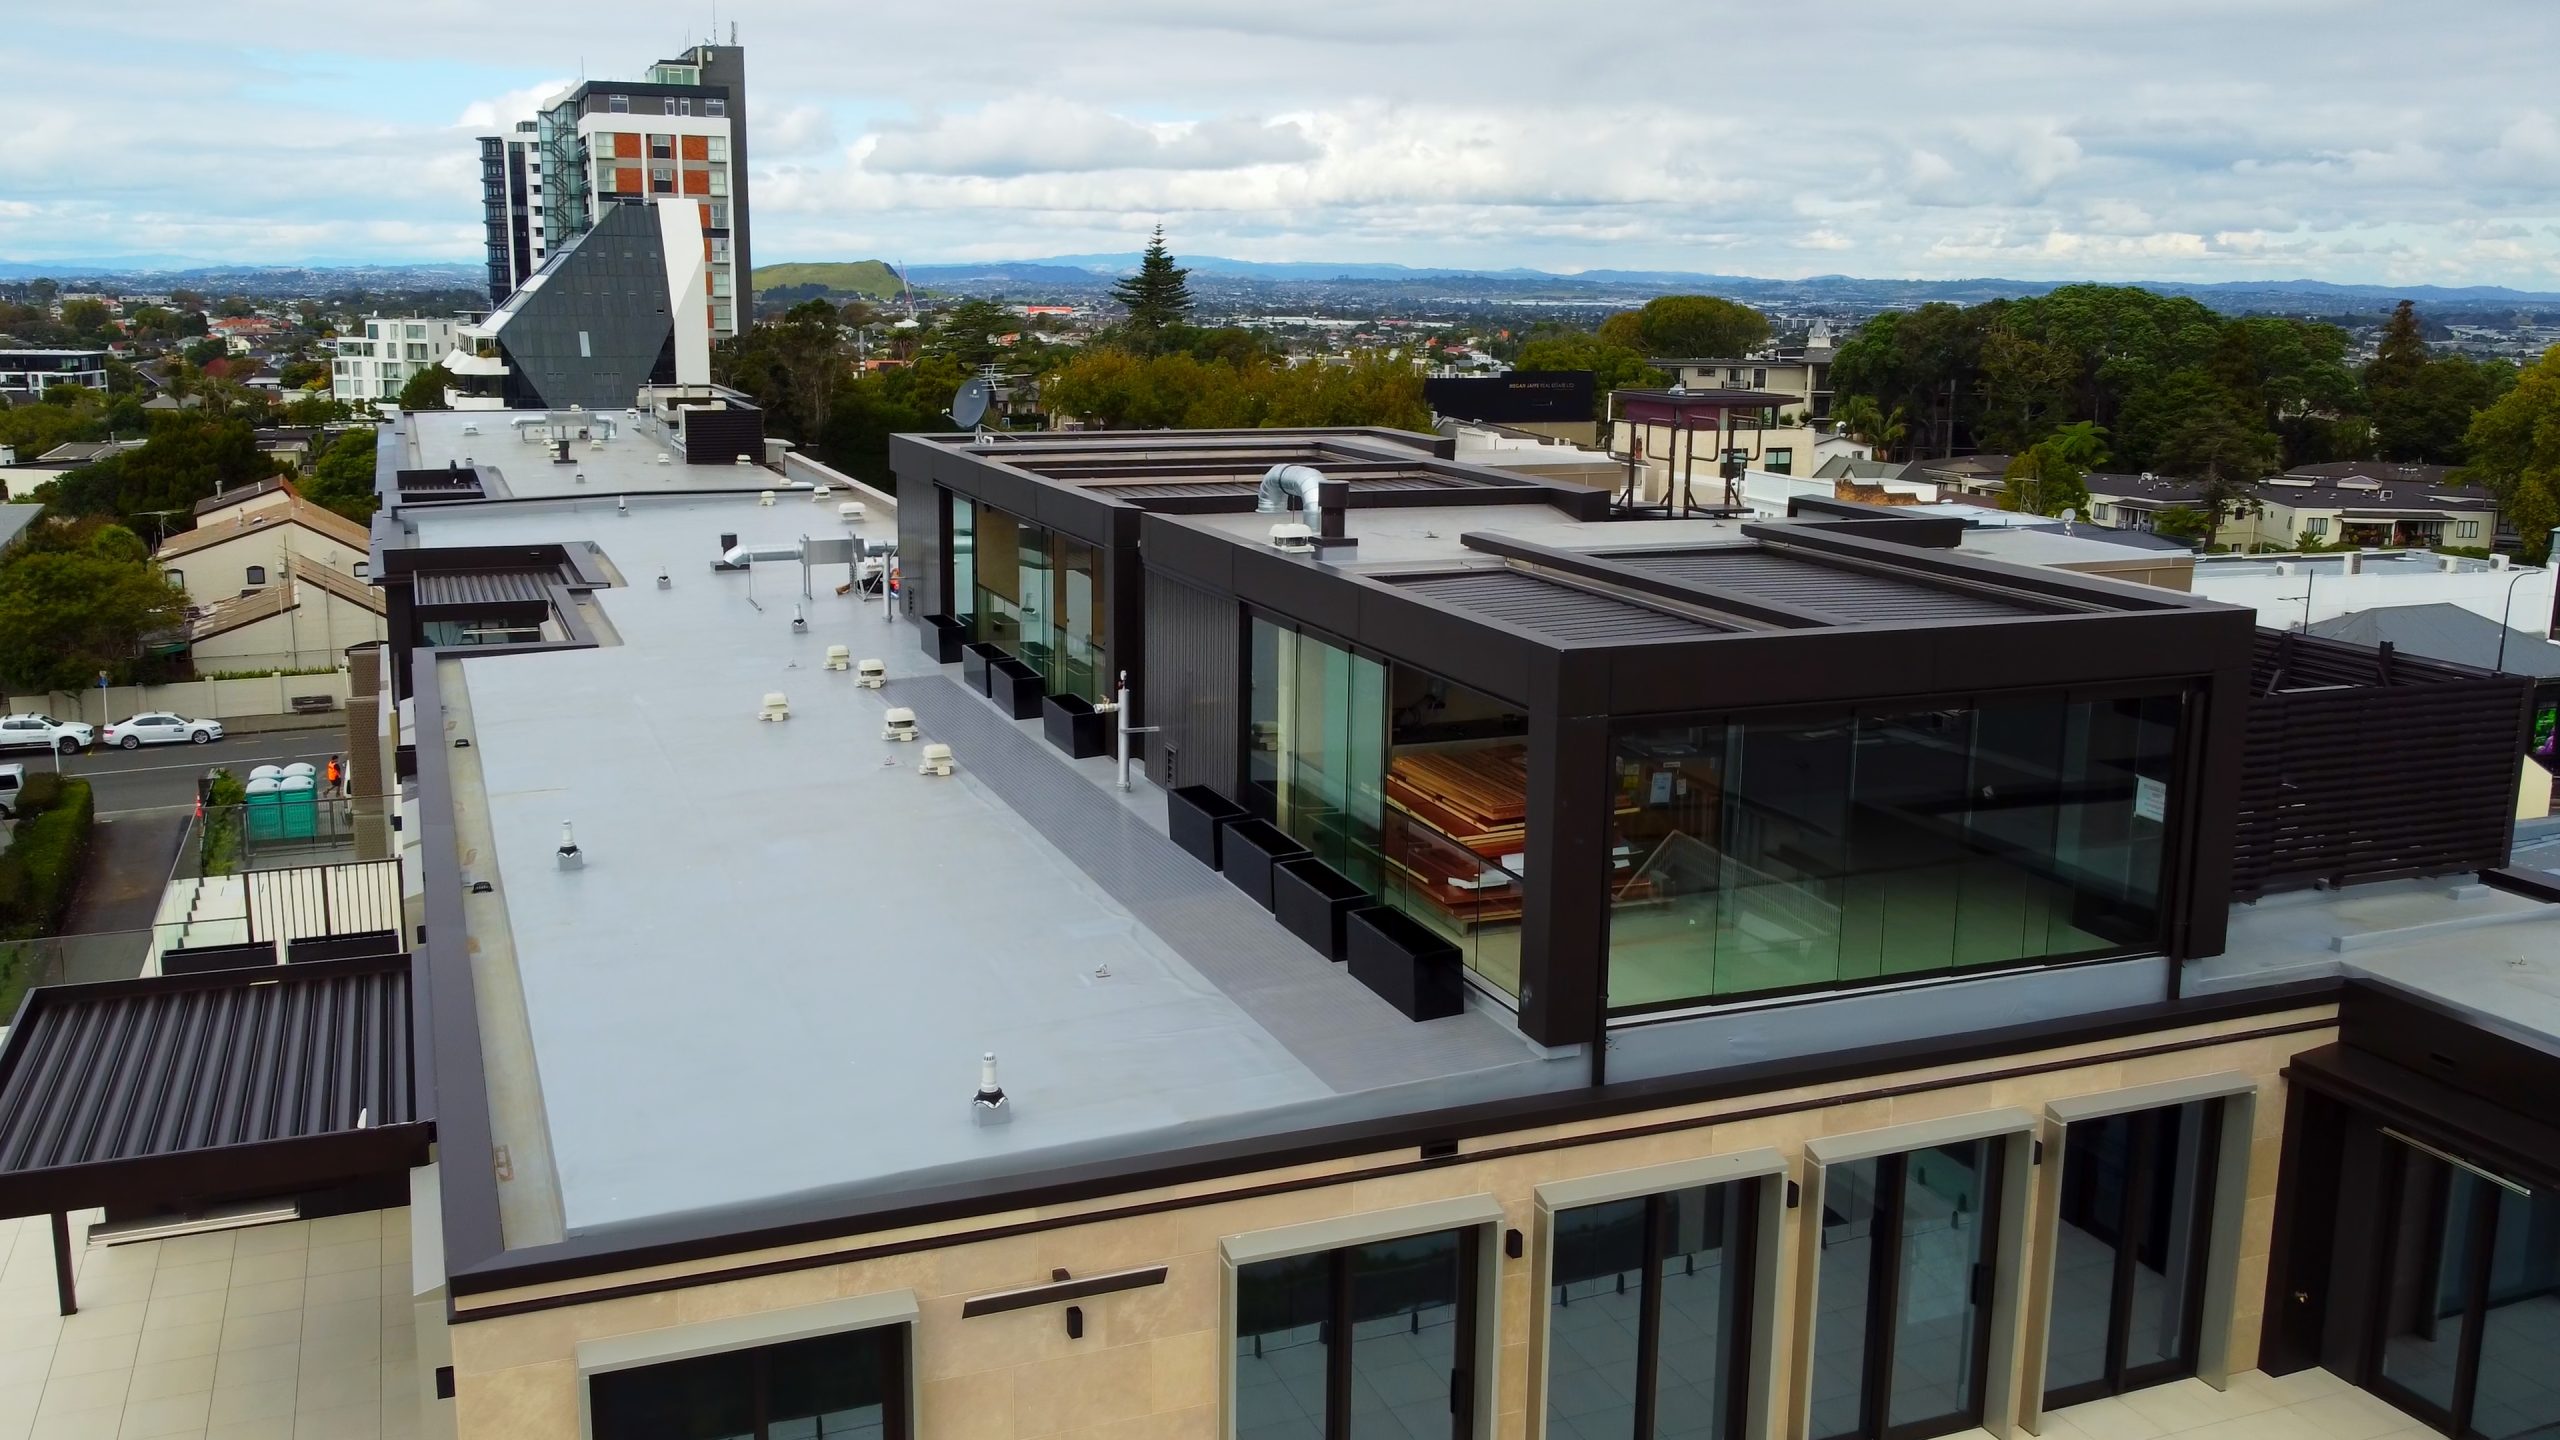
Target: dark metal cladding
{"points": [[486, 587], [1853, 596]]}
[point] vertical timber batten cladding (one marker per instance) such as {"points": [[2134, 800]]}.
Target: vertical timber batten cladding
{"points": [[2365, 764]]}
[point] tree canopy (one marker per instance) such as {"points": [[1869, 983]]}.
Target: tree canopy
{"points": [[2514, 449], [425, 390], [1158, 297], [1687, 325], [1118, 389], [187, 458], [342, 476], [77, 600]]}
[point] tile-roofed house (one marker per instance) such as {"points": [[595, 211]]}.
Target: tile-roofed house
{"points": [[256, 543]]}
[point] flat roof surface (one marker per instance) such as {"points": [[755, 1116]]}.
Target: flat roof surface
{"points": [[786, 949], [2490, 956], [2390, 562], [512, 467], [1427, 534]]}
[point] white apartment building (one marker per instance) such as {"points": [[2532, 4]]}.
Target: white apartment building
{"points": [[391, 350]]}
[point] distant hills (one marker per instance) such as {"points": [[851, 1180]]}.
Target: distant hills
{"points": [[1091, 274]]}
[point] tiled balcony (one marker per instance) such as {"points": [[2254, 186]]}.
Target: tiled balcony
{"points": [[272, 1333]]}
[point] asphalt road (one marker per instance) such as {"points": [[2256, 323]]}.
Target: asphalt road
{"points": [[163, 777]]}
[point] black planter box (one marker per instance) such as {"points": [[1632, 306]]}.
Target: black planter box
{"points": [[1250, 848], [1197, 817], [977, 661], [943, 637], [1312, 899], [1015, 687], [1406, 962], [205, 959], [1073, 725], [342, 947]]}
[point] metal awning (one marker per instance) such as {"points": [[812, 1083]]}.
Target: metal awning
{"points": [[181, 1091]]}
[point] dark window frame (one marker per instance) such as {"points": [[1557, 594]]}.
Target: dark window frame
{"points": [[1467, 1372], [1884, 1295]]}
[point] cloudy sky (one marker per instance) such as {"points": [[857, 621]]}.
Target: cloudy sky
{"points": [[2174, 139]]}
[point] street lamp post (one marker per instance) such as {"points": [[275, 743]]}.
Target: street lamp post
{"points": [[2501, 666]]}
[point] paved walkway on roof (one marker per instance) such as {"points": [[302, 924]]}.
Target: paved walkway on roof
{"points": [[1348, 1037]]}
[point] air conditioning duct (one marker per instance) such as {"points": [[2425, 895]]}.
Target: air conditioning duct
{"points": [[1280, 482]]}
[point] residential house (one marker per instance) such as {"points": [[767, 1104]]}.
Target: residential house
{"points": [[244, 539]]}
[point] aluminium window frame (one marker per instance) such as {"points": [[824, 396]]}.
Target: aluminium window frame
{"points": [[2238, 1094], [2015, 1130], [1481, 1213], [756, 1330], [1764, 1172]]}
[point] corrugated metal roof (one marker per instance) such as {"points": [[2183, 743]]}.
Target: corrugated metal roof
{"points": [[1553, 608], [485, 587], [1852, 596], [128, 1070]]}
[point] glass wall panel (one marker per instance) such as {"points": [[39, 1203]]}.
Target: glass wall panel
{"points": [[1369, 1342], [1851, 1214], [1407, 1306], [1456, 824], [1675, 1265], [997, 612], [1315, 758], [1942, 1308], [963, 600], [2518, 1393], [1036, 640], [1903, 1292], [2136, 1209], [1705, 1275], [1595, 1305], [2427, 1287], [1762, 856], [1082, 665], [1283, 1315], [834, 1387]]}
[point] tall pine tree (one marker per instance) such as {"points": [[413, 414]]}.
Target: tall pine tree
{"points": [[2400, 356], [1158, 296]]}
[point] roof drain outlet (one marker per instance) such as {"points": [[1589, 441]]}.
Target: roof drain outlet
{"points": [[989, 1106]]}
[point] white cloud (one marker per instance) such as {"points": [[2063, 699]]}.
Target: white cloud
{"points": [[2184, 139], [501, 112]]}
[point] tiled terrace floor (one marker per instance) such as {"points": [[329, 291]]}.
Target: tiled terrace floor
{"points": [[2306, 1405], [281, 1332]]}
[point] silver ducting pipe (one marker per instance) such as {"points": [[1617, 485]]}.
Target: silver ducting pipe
{"points": [[1282, 481]]}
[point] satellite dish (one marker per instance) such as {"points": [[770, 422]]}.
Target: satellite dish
{"points": [[969, 404]]}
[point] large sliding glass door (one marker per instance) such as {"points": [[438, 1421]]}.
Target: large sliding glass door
{"points": [[2468, 1331], [1649, 1308], [1367, 1342], [1034, 592], [2136, 1223], [1902, 1336]]}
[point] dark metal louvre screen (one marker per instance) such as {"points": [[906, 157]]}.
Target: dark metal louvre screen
{"points": [[2367, 765], [1853, 595], [1558, 611], [128, 1070], [485, 587]]}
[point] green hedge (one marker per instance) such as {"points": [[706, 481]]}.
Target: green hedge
{"points": [[41, 871]]}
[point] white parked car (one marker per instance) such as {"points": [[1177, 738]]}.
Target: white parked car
{"points": [[159, 727], [43, 732]]}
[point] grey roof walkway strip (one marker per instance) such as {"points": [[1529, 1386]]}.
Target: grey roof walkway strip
{"points": [[1348, 1037]]}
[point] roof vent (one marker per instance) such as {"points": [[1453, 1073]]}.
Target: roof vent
{"points": [[777, 706], [1296, 539], [989, 1106], [936, 760], [899, 724], [569, 855]]}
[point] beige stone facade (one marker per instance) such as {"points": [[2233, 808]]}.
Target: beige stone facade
{"points": [[1152, 1360]]}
